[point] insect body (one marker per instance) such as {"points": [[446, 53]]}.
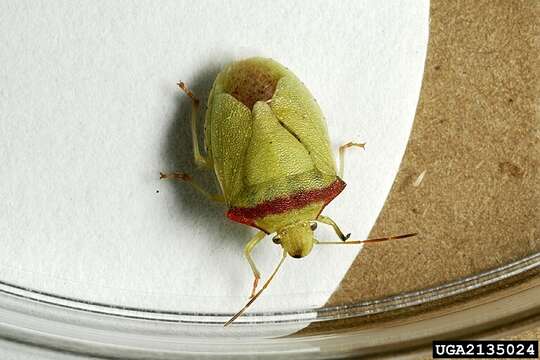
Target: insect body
{"points": [[267, 142]]}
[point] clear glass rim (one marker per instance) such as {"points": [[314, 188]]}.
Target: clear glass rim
{"points": [[38, 318], [344, 311]]}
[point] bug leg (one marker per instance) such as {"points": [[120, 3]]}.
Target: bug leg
{"points": [[200, 160], [326, 220], [342, 149], [247, 253], [187, 178]]}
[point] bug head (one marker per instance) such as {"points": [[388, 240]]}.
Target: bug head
{"points": [[296, 239]]}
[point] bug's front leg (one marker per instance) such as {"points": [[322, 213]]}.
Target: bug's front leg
{"points": [[187, 178], [326, 220], [256, 239], [200, 160], [342, 149]]}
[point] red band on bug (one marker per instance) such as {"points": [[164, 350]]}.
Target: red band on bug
{"points": [[280, 205]]}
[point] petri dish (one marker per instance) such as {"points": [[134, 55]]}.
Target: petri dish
{"points": [[470, 192]]}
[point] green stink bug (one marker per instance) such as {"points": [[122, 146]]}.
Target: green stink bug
{"points": [[267, 142]]}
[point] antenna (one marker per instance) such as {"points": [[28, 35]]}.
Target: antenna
{"points": [[352, 242], [259, 292]]}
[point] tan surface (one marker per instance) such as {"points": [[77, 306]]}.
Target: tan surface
{"points": [[476, 136], [531, 334]]}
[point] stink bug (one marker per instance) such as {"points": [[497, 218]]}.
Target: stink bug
{"points": [[267, 142]]}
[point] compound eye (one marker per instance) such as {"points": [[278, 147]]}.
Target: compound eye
{"points": [[313, 226], [276, 239]]}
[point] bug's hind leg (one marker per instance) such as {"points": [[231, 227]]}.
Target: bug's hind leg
{"points": [[342, 149], [200, 160], [187, 178], [326, 220], [247, 253]]}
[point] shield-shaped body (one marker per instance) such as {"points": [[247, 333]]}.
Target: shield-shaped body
{"points": [[267, 140]]}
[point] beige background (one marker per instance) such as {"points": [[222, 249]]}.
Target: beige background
{"points": [[476, 137]]}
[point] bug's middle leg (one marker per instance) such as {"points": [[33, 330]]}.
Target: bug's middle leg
{"points": [[200, 160], [326, 220], [187, 178], [256, 239], [342, 149]]}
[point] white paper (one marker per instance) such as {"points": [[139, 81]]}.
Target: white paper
{"points": [[90, 114]]}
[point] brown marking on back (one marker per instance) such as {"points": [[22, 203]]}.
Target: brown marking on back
{"points": [[251, 83]]}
